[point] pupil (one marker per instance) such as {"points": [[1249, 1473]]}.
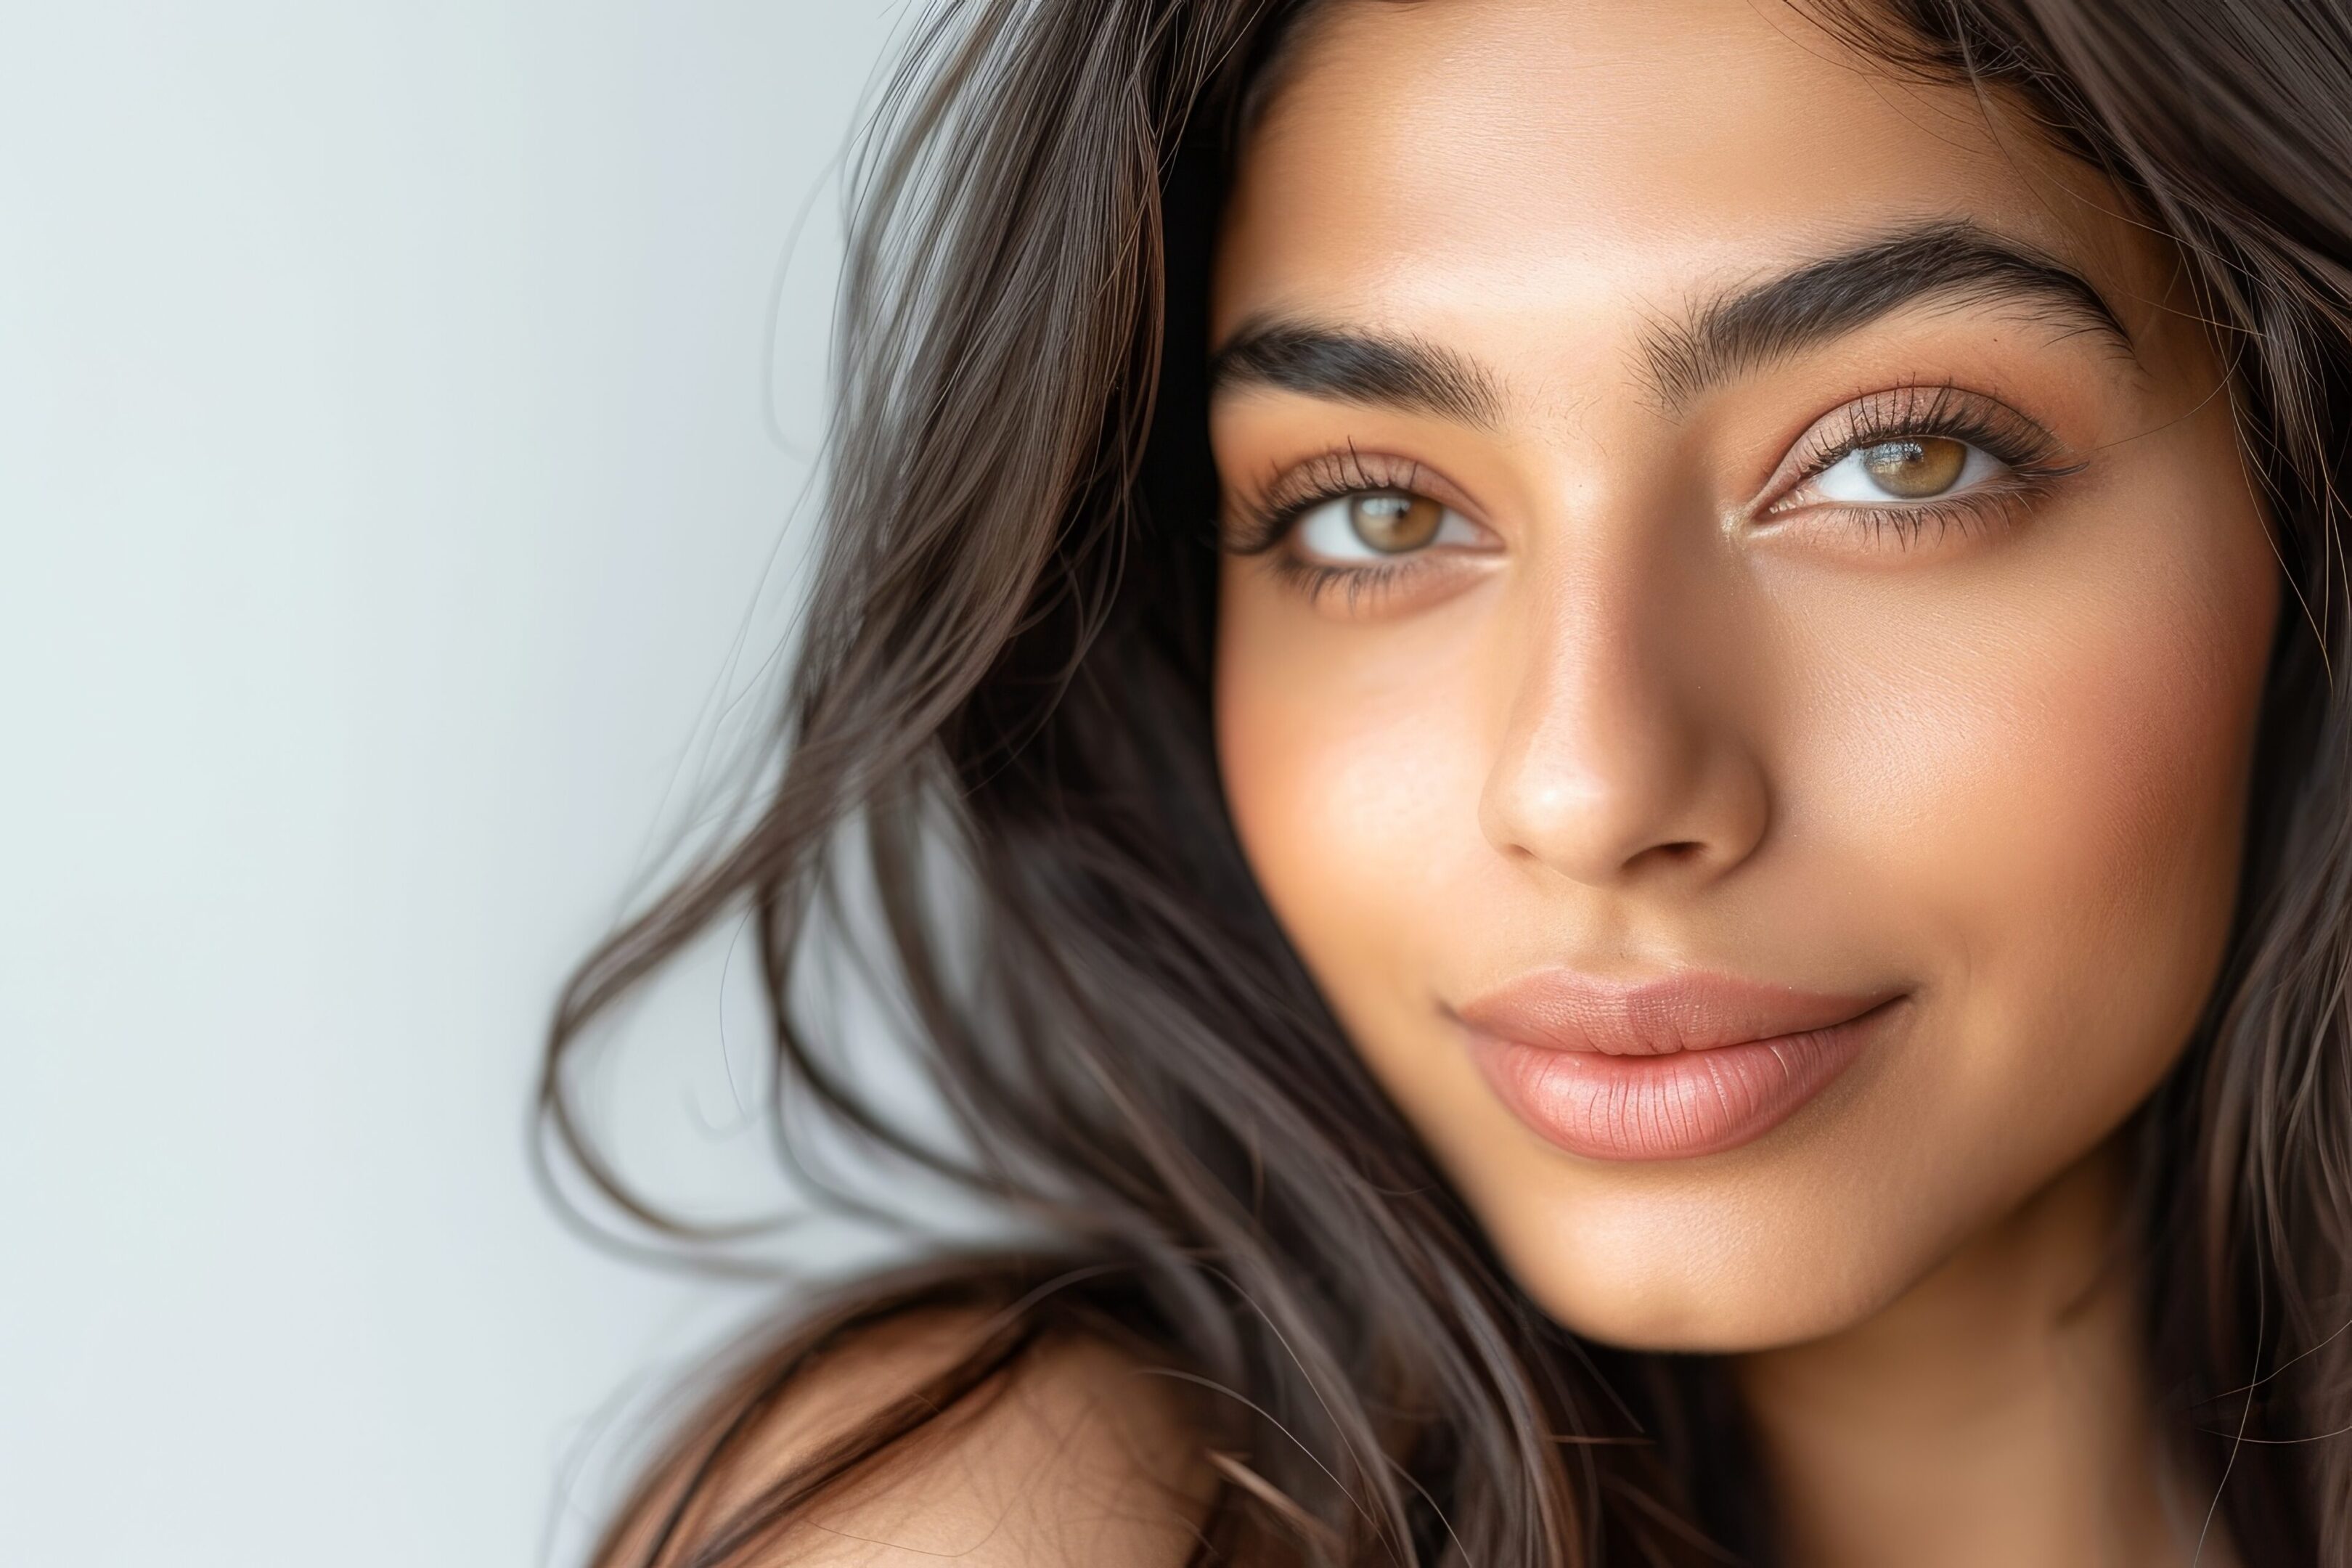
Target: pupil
{"points": [[1917, 466], [1392, 521]]}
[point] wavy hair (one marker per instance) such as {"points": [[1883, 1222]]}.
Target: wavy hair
{"points": [[998, 728]]}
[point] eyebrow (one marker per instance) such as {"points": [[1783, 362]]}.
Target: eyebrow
{"points": [[1356, 365], [1735, 333], [1745, 329]]}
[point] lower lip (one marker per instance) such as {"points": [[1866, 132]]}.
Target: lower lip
{"points": [[1668, 1107]]}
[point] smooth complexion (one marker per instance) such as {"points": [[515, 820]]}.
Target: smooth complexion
{"points": [[1582, 635]]}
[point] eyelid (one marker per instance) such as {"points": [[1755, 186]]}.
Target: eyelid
{"points": [[1266, 518], [1978, 419]]}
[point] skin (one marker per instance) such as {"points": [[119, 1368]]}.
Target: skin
{"points": [[1079, 1459], [1643, 722]]}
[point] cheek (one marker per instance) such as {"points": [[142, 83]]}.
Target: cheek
{"points": [[2041, 786], [1353, 771]]}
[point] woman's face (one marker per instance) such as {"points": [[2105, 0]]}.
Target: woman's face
{"points": [[1740, 650]]}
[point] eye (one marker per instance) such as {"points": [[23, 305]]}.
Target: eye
{"points": [[1371, 526], [1894, 465], [1904, 469]]}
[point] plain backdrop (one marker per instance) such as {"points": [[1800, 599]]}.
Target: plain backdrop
{"points": [[402, 413]]}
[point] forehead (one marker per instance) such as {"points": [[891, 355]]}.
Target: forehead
{"points": [[1425, 160]]}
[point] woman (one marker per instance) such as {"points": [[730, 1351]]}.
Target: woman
{"points": [[1598, 738]]}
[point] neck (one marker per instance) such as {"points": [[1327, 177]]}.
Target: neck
{"points": [[1997, 1413]]}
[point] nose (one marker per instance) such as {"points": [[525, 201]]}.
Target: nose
{"points": [[1622, 757]]}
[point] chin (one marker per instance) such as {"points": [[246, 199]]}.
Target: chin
{"points": [[1729, 1259], [1743, 1306]]}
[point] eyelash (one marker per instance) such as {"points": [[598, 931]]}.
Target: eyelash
{"points": [[1266, 522], [1940, 409]]}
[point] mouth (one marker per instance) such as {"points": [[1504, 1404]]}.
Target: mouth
{"points": [[1672, 1068]]}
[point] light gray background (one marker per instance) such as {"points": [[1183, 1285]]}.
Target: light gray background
{"points": [[387, 479]]}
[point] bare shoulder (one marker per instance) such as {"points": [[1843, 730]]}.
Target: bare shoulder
{"points": [[1080, 1453]]}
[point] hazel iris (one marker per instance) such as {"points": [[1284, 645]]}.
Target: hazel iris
{"points": [[1916, 467], [1393, 521]]}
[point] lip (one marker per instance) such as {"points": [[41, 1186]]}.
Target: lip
{"points": [[1688, 1064]]}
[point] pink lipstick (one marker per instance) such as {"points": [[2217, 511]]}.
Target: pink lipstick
{"points": [[1688, 1064]]}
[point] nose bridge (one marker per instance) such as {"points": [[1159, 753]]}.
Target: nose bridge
{"points": [[1617, 753]]}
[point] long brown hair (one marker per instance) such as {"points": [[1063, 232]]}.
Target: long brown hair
{"points": [[998, 731]]}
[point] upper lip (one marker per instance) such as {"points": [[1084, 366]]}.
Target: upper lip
{"points": [[1689, 1010]]}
